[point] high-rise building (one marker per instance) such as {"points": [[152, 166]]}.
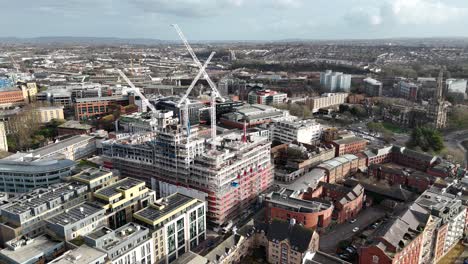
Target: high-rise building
{"points": [[372, 87], [3, 138], [335, 81]]}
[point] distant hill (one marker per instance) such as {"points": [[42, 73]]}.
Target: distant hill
{"points": [[82, 40]]}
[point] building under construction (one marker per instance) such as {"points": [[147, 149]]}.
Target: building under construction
{"points": [[229, 172]]}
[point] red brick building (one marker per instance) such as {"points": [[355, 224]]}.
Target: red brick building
{"points": [[285, 205], [340, 167], [413, 159], [98, 106], [347, 201], [11, 96], [397, 175], [349, 145], [378, 156], [397, 241]]}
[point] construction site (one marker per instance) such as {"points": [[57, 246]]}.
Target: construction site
{"points": [[228, 171]]}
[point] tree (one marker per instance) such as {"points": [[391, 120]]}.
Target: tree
{"points": [[428, 139]]}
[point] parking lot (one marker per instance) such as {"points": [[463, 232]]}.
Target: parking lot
{"points": [[329, 241]]}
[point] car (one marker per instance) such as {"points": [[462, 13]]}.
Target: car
{"points": [[350, 250], [355, 229], [352, 221], [344, 256], [375, 225]]}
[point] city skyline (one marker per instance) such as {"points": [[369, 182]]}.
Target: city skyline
{"points": [[229, 19]]}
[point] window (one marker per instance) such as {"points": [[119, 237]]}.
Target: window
{"points": [[375, 259]]}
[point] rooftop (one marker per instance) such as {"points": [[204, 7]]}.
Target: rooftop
{"points": [[299, 237], [119, 186], [286, 198], [82, 254], [75, 125], [34, 166], [26, 250], [75, 214], [60, 145], [42, 196], [166, 206], [104, 98]]}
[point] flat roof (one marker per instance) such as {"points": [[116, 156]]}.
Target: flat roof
{"points": [[34, 249], [75, 214], [34, 166], [171, 203], [82, 254], [104, 98], [60, 145], [75, 125], [124, 184]]}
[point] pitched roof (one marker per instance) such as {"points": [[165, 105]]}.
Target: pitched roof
{"points": [[299, 237]]}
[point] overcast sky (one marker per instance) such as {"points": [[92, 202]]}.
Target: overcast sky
{"points": [[235, 19]]}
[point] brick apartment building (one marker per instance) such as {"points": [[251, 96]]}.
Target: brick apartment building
{"points": [[289, 204], [340, 167], [347, 202], [349, 145]]}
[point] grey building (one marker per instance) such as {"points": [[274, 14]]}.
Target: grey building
{"points": [[76, 221], [24, 176], [372, 87], [24, 216]]}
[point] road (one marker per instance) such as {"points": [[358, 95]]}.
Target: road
{"points": [[454, 140], [329, 241]]}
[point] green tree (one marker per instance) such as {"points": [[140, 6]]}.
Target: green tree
{"points": [[428, 139]]}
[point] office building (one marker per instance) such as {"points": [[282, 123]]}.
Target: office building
{"points": [[335, 81], [267, 97], [76, 221], [301, 131], [372, 87], [24, 176], [130, 243], [3, 138], [177, 224], [86, 108], [73, 148]]}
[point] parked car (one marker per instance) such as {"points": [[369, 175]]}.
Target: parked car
{"points": [[344, 256], [355, 229], [352, 221]]}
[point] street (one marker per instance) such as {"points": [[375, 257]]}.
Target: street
{"points": [[329, 241]]}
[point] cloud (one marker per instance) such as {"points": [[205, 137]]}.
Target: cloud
{"points": [[287, 3], [406, 12], [186, 8]]}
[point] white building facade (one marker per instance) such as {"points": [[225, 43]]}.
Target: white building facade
{"points": [[335, 81]]}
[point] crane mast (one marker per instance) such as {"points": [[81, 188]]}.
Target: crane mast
{"points": [[214, 91], [144, 100]]}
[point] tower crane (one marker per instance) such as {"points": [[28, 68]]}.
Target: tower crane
{"points": [[184, 100], [144, 101], [214, 91]]}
